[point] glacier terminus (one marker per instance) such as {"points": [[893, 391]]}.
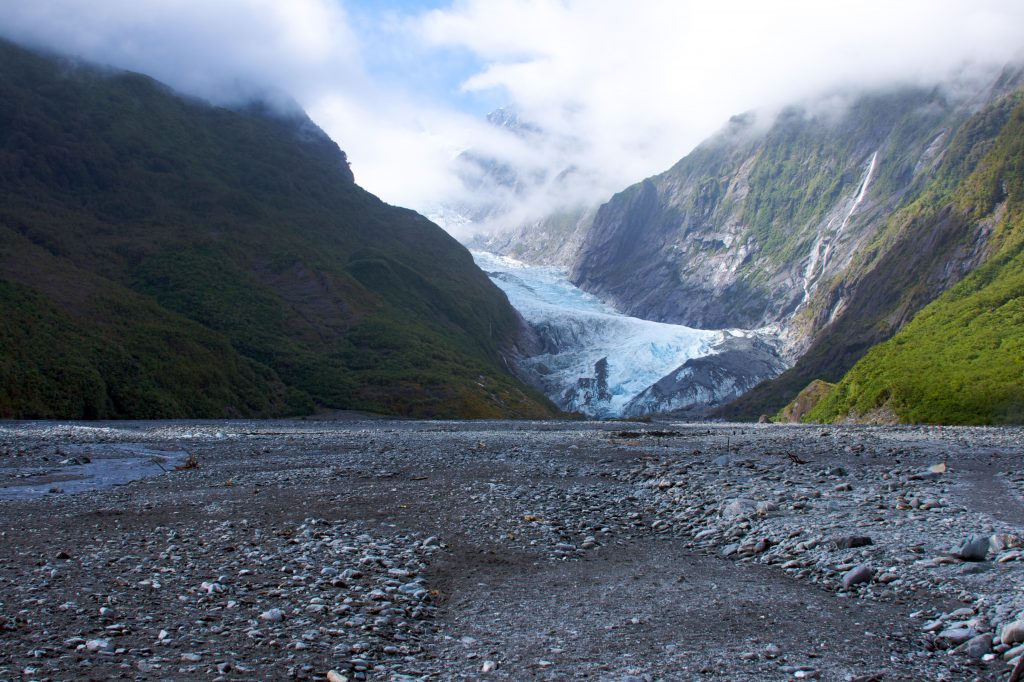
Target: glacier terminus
{"points": [[599, 362]]}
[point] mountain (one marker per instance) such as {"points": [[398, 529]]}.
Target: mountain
{"points": [[830, 224], [961, 358], [164, 258], [501, 208], [555, 239], [493, 186]]}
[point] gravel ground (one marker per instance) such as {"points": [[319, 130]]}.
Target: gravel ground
{"points": [[393, 550]]}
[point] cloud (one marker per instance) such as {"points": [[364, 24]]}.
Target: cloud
{"points": [[216, 49], [642, 83], [229, 51], [621, 90]]}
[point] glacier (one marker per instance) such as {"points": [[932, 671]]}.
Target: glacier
{"points": [[602, 363]]}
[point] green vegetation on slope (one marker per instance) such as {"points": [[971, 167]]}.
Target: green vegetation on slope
{"points": [[925, 247], [961, 359], [800, 174], [160, 257]]}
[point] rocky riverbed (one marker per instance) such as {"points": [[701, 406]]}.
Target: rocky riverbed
{"points": [[390, 550]]}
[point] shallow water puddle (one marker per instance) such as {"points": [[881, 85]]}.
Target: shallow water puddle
{"points": [[109, 466]]}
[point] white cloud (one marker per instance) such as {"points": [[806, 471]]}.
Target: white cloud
{"points": [[213, 48], [623, 89], [641, 83]]}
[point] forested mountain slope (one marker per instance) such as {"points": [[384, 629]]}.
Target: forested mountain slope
{"points": [[160, 257], [961, 359]]}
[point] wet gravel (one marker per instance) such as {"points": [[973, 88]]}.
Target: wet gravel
{"points": [[371, 549]]}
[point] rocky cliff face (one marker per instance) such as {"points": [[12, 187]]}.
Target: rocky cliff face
{"points": [[556, 239], [751, 228], [832, 225]]}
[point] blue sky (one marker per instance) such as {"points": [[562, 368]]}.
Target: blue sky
{"points": [[391, 58]]}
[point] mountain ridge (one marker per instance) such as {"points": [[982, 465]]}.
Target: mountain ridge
{"points": [[831, 226], [237, 239]]}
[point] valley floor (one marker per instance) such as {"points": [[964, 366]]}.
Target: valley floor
{"points": [[510, 550]]}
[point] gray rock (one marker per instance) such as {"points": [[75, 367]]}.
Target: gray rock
{"points": [[857, 575], [975, 548], [1012, 633], [956, 636], [976, 647], [272, 615], [99, 644], [739, 508], [851, 541]]}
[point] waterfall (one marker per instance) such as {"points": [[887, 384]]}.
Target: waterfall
{"points": [[819, 258]]}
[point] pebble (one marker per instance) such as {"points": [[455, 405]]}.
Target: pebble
{"points": [[738, 509], [98, 645], [956, 636], [357, 596], [978, 646], [852, 541]]}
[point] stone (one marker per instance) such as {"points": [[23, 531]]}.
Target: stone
{"points": [[977, 647], [857, 575], [1013, 653], [1000, 541], [738, 508], [974, 548], [851, 541], [335, 676], [956, 636], [272, 615], [99, 645], [1012, 633]]}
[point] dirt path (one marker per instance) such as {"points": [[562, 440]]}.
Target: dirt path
{"points": [[651, 608]]}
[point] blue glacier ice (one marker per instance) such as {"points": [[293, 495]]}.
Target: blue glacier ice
{"points": [[595, 360]]}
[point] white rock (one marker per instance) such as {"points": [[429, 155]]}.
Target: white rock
{"points": [[739, 508], [99, 644], [272, 615]]}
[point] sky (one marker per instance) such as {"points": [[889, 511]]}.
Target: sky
{"points": [[621, 90]]}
